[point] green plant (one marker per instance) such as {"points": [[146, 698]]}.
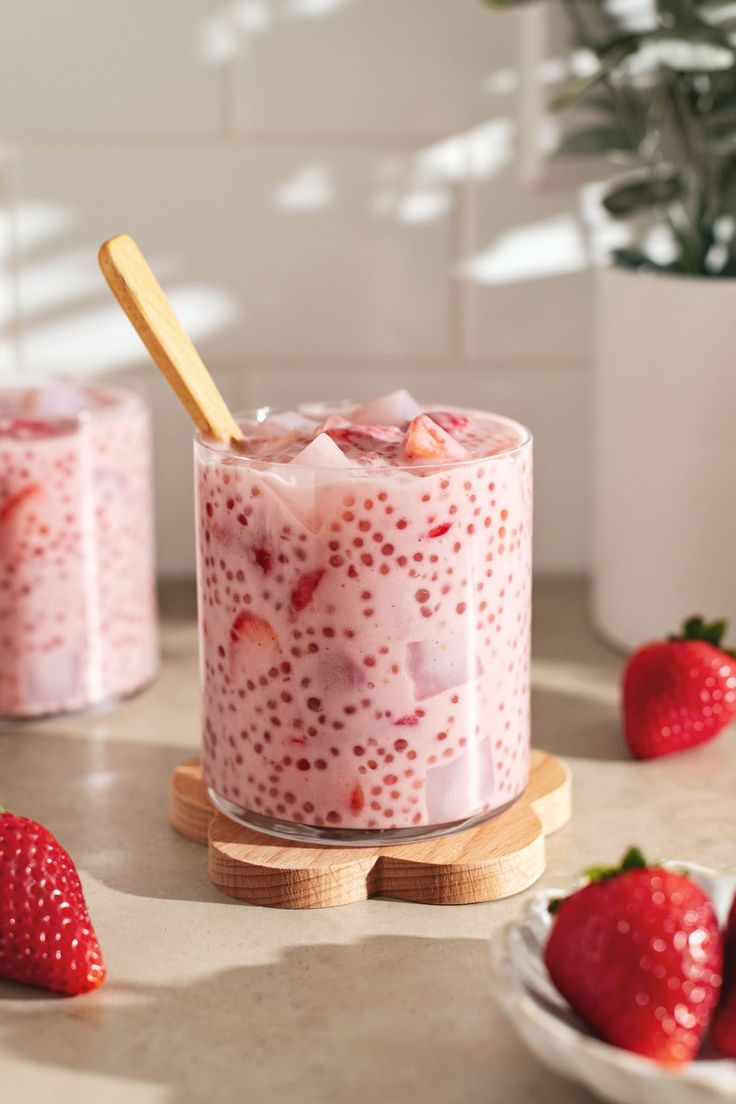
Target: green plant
{"points": [[659, 95]]}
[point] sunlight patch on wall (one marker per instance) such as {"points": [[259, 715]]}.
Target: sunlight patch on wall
{"points": [[417, 205], [310, 9], [554, 247], [98, 339], [55, 281], [38, 223], [422, 190], [311, 188], [476, 154], [502, 83], [604, 233], [222, 35]]}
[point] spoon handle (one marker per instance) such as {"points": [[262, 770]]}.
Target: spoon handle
{"points": [[140, 295]]}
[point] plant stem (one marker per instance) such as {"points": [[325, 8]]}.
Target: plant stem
{"points": [[696, 160], [686, 233]]}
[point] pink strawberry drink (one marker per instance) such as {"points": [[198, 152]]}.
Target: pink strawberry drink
{"points": [[77, 611], [364, 596]]}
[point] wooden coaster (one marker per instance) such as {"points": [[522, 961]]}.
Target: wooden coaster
{"points": [[496, 859]]}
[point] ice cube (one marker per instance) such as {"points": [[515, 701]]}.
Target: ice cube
{"points": [[334, 421], [437, 665], [322, 452], [462, 785], [54, 678], [425, 441], [59, 400], [340, 672], [302, 482], [395, 409], [290, 421]]}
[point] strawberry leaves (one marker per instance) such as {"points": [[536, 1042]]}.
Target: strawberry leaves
{"points": [[697, 628], [632, 860]]}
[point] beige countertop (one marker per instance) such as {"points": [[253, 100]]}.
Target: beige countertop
{"points": [[210, 1000]]}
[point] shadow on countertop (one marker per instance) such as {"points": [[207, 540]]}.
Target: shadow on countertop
{"points": [[396, 1019], [106, 801], [575, 678]]}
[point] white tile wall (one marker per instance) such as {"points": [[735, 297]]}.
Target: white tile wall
{"points": [[370, 67], [330, 192], [6, 257], [284, 244], [74, 67], [527, 273]]}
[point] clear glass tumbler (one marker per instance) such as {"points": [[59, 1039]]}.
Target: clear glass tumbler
{"points": [[77, 605], [364, 641]]}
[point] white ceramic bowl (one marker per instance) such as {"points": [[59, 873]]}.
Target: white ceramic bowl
{"points": [[561, 1041]]}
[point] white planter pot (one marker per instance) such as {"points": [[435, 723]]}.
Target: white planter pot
{"points": [[664, 468]]}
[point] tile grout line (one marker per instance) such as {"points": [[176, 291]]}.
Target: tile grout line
{"points": [[231, 133]]}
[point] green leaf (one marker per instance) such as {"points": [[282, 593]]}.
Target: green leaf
{"points": [[635, 259], [722, 15], [601, 101], [597, 139], [727, 186], [611, 51], [692, 627], [722, 140], [697, 628], [574, 89], [632, 860], [687, 55], [721, 123], [609, 56], [723, 102], [638, 195]]}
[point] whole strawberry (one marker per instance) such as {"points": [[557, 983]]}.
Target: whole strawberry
{"points": [[46, 936], [679, 692], [637, 953], [723, 1028]]}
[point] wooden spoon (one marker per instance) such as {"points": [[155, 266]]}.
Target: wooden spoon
{"points": [[140, 295]]}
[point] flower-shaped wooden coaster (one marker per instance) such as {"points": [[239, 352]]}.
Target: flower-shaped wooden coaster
{"points": [[496, 859]]}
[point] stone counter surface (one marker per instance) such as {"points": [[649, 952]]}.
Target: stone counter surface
{"points": [[214, 1001]]}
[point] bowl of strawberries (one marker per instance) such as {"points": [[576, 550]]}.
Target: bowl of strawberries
{"points": [[627, 983]]}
